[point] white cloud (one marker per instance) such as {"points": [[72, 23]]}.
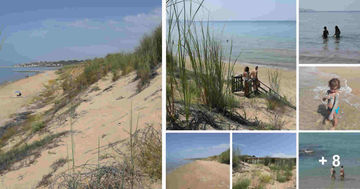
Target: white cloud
{"points": [[85, 23], [38, 33], [282, 155]]}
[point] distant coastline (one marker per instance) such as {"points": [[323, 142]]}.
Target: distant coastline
{"points": [[60, 63], [303, 10]]}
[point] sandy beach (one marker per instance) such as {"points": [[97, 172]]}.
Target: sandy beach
{"points": [[103, 113], [30, 87], [199, 174]]}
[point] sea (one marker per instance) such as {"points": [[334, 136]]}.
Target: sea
{"points": [[314, 175], [313, 49], [268, 43], [9, 74], [172, 164]]}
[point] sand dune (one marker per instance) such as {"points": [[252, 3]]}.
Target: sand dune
{"points": [[199, 174], [103, 113]]}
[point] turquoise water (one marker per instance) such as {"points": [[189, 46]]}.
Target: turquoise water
{"points": [[271, 43], [313, 49], [8, 74], [314, 175]]}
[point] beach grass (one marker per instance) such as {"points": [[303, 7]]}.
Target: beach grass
{"points": [[242, 184], [19, 153], [196, 66]]}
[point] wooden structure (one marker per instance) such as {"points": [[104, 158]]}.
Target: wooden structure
{"points": [[238, 84]]}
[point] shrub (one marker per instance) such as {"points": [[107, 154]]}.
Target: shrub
{"points": [[242, 184], [265, 179], [225, 157], [37, 126]]}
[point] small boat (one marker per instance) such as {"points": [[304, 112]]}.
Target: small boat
{"points": [[307, 151]]}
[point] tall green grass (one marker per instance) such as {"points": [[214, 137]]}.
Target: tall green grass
{"points": [[194, 54], [145, 58]]}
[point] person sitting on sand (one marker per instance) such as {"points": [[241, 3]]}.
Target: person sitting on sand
{"points": [[332, 97], [254, 77], [325, 33], [332, 173], [342, 173], [337, 32], [247, 81]]}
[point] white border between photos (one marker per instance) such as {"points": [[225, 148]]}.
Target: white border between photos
{"points": [[230, 132]]}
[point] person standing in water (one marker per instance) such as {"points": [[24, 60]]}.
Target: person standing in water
{"points": [[342, 173], [337, 32], [332, 97], [332, 173], [325, 33]]}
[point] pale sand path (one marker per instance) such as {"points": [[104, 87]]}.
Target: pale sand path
{"points": [[101, 114], [199, 174], [29, 87]]}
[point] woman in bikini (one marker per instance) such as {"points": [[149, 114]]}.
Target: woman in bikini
{"points": [[247, 81]]}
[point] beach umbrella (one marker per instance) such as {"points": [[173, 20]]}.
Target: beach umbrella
{"points": [[17, 92]]}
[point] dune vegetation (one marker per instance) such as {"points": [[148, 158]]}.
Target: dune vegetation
{"points": [[199, 76], [125, 170], [258, 172]]}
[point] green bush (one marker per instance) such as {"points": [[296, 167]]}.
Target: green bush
{"points": [[242, 184], [37, 126], [225, 157]]}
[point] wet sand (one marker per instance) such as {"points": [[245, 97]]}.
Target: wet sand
{"points": [[314, 84], [199, 174]]}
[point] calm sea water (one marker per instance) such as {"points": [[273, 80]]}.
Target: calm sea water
{"points": [[314, 175], [8, 74], [313, 49], [271, 43], [172, 164]]}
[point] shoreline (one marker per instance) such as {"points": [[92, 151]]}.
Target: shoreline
{"points": [[30, 87], [34, 73]]}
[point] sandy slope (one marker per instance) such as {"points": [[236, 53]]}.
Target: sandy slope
{"points": [[199, 174], [29, 87], [103, 114]]}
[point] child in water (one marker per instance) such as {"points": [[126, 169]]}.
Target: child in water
{"points": [[342, 173], [332, 173], [332, 97]]}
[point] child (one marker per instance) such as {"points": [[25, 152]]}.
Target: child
{"points": [[342, 173], [332, 97]]}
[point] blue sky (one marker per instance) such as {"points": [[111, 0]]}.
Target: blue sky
{"points": [[194, 145], [67, 29], [250, 10], [331, 5], [266, 144]]}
